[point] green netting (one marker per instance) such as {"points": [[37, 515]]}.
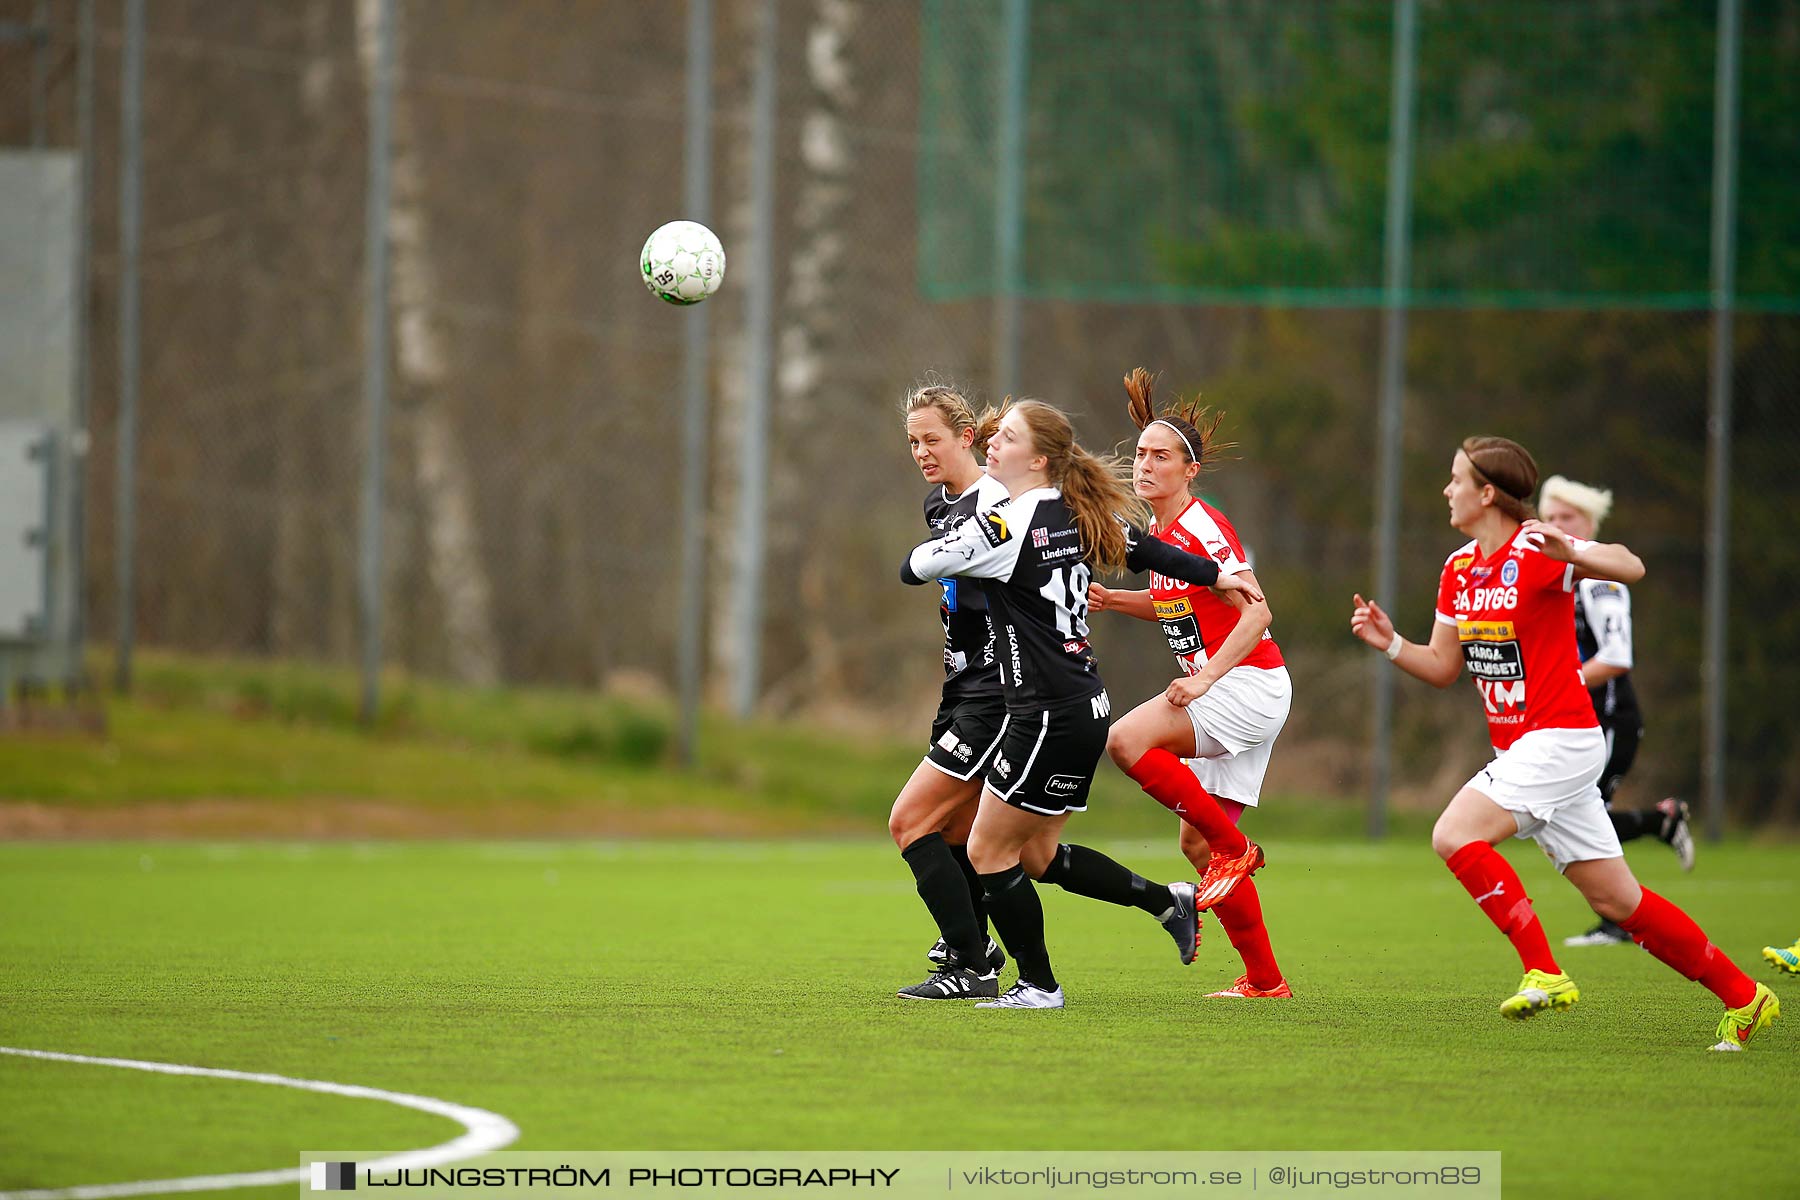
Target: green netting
{"points": [[1236, 151]]}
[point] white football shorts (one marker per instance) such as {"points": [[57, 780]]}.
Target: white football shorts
{"points": [[1549, 781], [1235, 726]]}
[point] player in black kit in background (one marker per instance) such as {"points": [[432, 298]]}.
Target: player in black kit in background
{"points": [[931, 817], [1035, 552], [1603, 638]]}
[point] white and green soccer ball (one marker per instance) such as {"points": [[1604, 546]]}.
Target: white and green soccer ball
{"points": [[683, 262]]}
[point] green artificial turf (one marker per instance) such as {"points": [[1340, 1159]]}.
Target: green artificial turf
{"points": [[707, 995]]}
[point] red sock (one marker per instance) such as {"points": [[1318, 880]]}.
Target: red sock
{"points": [[1173, 786], [1495, 885], [1241, 915], [1672, 937]]}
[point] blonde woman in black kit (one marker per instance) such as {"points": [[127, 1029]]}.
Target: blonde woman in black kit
{"points": [[931, 817]]}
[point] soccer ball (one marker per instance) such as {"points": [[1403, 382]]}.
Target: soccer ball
{"points": [[683, 262]]}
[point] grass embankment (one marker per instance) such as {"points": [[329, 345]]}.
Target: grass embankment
{"points": [[219, 747]]}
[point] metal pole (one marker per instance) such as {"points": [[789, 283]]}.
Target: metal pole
{"points": [[79, 439], [1009, 192], [698, 194], [375, 357], [131, 167], [1718, 421], [1393, 387], [40, 73], [759, 319]]}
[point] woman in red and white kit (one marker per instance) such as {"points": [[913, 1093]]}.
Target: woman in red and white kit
{"points": [[1506, 607], [1233, 696]]}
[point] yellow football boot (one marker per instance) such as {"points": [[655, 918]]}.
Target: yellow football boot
{"points": [[1783, 958], [1539, 992], [1739, 1025]]}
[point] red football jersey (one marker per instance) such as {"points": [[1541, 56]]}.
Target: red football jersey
{"points": [[1514, 614], [1195, 621]]}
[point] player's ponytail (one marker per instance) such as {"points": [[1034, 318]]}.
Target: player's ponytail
{"points": [[1140, 386], [1096, 488], [987, 424], [1195, 424]]}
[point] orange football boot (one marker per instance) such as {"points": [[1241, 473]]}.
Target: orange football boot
{"points": [[1224, 873], [1242, 990]]}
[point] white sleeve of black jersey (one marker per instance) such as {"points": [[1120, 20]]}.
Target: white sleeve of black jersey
{"points": [[1608, 608], [985, 546], [989, 491], [1146, 553]]}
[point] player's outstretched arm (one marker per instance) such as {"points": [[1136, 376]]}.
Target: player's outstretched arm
{"points": [[1145, 553], [1132, 603], [1593, 560], [1438, 662], [982, 547]]}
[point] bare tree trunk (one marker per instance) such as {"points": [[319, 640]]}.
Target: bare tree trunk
{"points": [[809, 335], [446, 490]]}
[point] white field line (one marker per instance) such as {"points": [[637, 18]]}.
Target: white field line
{"points": [[482, 1131]]}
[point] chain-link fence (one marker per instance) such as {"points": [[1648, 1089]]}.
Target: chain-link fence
{"points": [[1201, 191]]}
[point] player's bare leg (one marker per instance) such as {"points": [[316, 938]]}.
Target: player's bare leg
{"points": [[932, 802]]}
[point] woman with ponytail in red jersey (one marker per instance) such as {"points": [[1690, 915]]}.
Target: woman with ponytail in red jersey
{"points": [[1506, 608], [1222, 716]]}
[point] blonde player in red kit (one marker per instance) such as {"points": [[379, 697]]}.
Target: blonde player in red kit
{"points": [[1506, 608]]}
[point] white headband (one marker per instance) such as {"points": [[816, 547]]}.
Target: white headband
{"points": [[1179, 434]]}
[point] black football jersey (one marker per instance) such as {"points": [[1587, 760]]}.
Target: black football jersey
{"points": [[1030, 557], [1603, 632], [971, 665]]}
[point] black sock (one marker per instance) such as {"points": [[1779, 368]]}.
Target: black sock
{"points": [[976, 897], [1635, 823], [1019, 917], [1090, 873], [946, 897]]}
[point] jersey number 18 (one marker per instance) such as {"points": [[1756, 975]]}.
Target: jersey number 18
{"points": [[1067, 589]]}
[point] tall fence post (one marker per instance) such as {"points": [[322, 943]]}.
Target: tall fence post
{"points": [[752, 542], [375, 362], [81, 441], [697, 170], [1395, 256], [1718, 420], [1009, 192], [40, 74], [131, 170]]}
